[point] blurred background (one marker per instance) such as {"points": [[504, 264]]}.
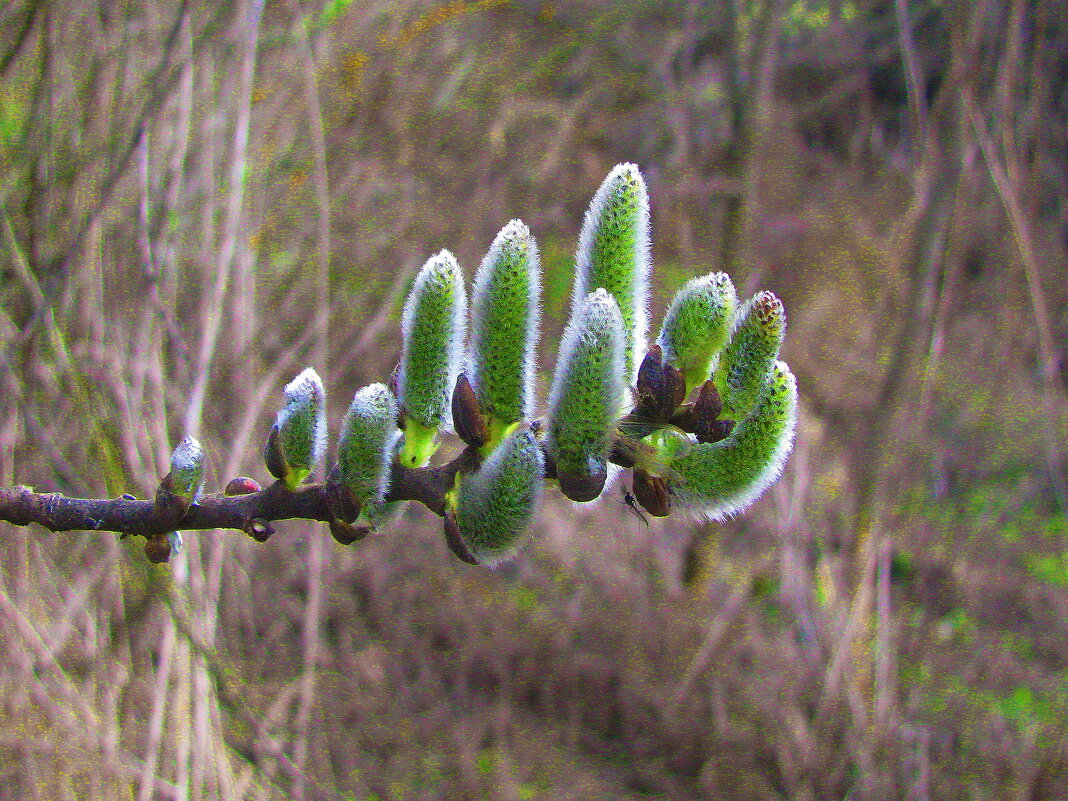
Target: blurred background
{"points": [[197, 200]]}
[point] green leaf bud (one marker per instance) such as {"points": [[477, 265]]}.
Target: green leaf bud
{"points": [[368, 441], [504, 328], [433, 332], [746, 361], [298, 438], [493, 506], [587, 396], [187, 471], [613, 253], [723, 478], [696, 325]]}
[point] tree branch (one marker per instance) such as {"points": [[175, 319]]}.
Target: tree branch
{"points": [[251, 513], [248, 508], [147, 518]]}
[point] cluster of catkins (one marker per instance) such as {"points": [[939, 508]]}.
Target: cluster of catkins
{"points": [[615, 402]]}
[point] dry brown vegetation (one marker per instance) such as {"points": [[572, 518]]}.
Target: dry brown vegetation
{"points": [[198, 200]]}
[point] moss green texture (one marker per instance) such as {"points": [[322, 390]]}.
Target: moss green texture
{"points": [[301, 425], [613, 253], [504, 327], [696, 325], [589, 388], [723, 478], [746, 361], [495, 504], [366, 445]]}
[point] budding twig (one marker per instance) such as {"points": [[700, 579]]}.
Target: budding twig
{"points": [[147, 518], [246, 512], [611, 401]]}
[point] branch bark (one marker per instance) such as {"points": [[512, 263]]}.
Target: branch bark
{"points": [[251, 513], [22, 506]]}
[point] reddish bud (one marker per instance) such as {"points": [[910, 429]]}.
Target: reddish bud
{"points": [[708, 404], [242, 485], [651, 377]]}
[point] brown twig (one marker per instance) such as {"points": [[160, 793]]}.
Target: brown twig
{"points": [[22, 506], [224, 264], [318, 565], [730, 610], [26, 25]]}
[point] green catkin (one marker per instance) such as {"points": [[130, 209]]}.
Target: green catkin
{"points": [[722, 479], [367, 443], [299, 436], [746, 361], [378, 513], [697, 324], [613, 253], [504, 328], [494, 505], [432, 327], [381, 513], [588, 390]]}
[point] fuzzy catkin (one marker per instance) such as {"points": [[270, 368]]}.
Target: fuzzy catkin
{"points": [[187, 469], [368, 438], [746, 361], [723, 478], [504, 326], [301, 426], [696, 325], [495, 504], [432, 327], [613, 253], [589, 389]]}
